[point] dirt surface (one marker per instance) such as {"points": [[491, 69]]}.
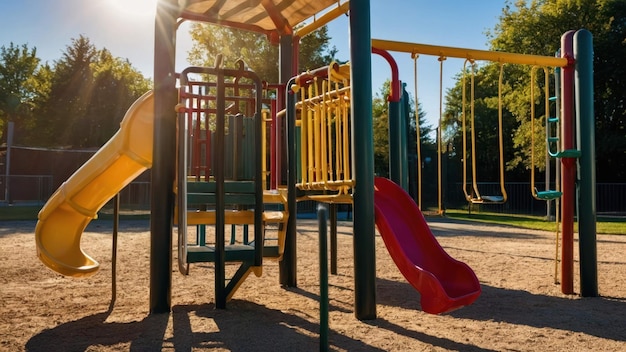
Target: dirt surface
{"points": [[520, 309]]}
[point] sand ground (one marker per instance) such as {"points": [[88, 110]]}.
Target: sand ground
{"points": [[520, 309]]}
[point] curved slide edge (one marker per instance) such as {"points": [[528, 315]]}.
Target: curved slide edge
{"points": [[65, 215], [445, 284]]}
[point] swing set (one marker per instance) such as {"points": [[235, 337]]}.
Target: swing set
{"points": [[477, 198], [558, 146]]}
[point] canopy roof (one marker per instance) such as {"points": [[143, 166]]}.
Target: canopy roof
{"points": [[272, 17]]}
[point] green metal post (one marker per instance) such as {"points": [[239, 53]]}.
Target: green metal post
{"points": [[363, 160], [288, 266], [219, 172], [395, 141], [322, 217], [404, 159], [164, 156], [583, 53], [332, 209], [116, 227]]}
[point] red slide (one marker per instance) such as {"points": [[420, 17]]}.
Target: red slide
{"points": [[445, 284]]}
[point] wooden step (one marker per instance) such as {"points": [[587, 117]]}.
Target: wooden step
{"points": [[234, 217]]}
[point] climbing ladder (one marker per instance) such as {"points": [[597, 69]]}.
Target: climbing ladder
{"points": [[219, 130], [553, 144]]}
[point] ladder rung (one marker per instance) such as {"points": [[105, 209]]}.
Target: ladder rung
{"points": [[553, 139], [553, 119], [552, 98]]}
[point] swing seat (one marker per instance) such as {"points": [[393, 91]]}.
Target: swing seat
{"points": [[569, 153], [493, 199], [488, 200], [548, 195]]}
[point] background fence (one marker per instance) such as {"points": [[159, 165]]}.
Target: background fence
{"points": [[610, 197]]}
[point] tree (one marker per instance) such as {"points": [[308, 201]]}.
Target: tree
{"points": [[486, 116], [380, 124], [89, 94], [117, 86], [22, 85], [70, 93], [535, 27], [254, 48]]}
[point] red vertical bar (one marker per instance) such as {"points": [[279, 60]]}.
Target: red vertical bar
{"points": [[295, 63], [207, 152], [568, 173], [196, 138]]}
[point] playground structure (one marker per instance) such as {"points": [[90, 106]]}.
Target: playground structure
{"points": [[326, 167]]}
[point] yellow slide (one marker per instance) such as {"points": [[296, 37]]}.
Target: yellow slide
{"points": [[68, 211]]}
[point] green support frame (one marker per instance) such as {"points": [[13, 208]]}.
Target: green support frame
{"points": [[363, 150]]}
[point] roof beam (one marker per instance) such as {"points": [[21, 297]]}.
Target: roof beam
{"points": [[282, 25]]}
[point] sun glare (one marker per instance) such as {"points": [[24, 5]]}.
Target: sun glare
{"points": [[134, 8]]}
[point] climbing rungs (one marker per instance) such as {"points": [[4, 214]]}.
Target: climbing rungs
{"points": [[232, 253], [552, 98], [553, 119], [548, 195]]}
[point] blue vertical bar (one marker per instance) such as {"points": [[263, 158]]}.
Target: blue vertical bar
{"points": [[363, 160]]}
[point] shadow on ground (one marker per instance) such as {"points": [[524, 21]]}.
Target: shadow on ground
{"points": [[244, 326], [596, 316]]}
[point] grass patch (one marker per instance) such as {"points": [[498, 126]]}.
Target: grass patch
{"points": [[604, 225], [17, 212], [30, 212]]}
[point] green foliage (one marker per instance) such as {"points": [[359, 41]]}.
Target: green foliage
{"points": [[22, 85], [609, 226], [486, 107], [254, 49], [78, 101], [380, 123], [90, 91], [535, 27]]}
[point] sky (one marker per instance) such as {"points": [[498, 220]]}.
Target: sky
{"points": [[126, 29]]}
